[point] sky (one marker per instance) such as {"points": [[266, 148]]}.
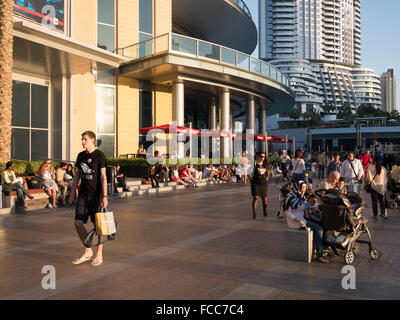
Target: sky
{"points": [[380, 37]]}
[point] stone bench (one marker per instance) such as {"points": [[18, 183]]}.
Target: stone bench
{"points": [[41, 200], [298, 245]]}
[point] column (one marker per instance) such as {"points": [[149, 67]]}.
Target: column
{"points": [[212, 115], [178, 106], [251, 113], [224, 103], [262, 115]]}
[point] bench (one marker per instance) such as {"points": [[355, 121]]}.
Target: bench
{"points": [[298, 245], [40, 201]]}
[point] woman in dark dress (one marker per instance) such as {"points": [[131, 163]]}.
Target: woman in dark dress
{"points": [[259, 183]]}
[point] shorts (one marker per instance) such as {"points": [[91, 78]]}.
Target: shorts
{"points": [[87, 206]]}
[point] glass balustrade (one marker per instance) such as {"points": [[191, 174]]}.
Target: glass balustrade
{"points": [[228, 56], [171, 42], [208, 50]]}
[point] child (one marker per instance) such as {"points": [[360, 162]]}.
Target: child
{"points": [[312, 211], [341, 186]]}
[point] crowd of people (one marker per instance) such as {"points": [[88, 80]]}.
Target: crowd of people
{"points": [[190, 175], [345, 173], [55, 182]]}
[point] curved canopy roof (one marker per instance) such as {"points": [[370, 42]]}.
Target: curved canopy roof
{"points": [[219, 21]]}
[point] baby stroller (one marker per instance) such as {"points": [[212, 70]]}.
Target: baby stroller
{"points": [[285, 187], [344, 224], [393, 196]]}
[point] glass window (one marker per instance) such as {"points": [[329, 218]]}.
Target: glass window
{"points": [[106, 143], [105, 11], [39, 107], [20, 104], [39, 145], [30, 110], [105, 97], [105, 37], [146, 16], [20, 144], [106, 77], [145, 109]]}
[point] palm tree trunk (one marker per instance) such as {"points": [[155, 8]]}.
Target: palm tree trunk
{"points": [[6, 65]]}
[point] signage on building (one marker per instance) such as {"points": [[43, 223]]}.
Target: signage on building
{"points": [[335, 142], [49, 13]]}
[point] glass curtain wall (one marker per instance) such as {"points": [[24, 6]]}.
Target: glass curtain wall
{"points": [[30, 121]]}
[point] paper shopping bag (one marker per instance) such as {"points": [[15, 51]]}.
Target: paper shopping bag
{"points": [[105, 224]]}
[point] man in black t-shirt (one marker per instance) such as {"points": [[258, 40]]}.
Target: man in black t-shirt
{"points": [[91, 170]]}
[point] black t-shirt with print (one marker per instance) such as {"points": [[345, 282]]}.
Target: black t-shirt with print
{"points": [[89, 165]]}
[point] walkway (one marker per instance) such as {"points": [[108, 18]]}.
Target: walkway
{"points": [[189, 244]]}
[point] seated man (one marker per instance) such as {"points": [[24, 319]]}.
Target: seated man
{"points": [[163, 172], [296, 217], [120, 179], [196, 174], [209, 172], [330, 182]]}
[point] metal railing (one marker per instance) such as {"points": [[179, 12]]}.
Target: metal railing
{"points": [[176, 43], [242, 6]]}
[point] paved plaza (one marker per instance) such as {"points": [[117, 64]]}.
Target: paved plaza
{"points": [[189, 244]]}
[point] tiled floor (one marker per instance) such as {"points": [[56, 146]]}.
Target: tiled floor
{"points": [[189, 244]]}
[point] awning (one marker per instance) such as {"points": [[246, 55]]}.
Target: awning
{"points": [[170, 128], [42, 51]]}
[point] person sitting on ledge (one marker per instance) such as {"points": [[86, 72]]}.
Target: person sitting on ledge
{"points": [[120, 180], [10, 183], [186, 176], [176, 178], [296, 217]]}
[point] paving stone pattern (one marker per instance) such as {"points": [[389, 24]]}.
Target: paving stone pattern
{"points": [[187, 244]]}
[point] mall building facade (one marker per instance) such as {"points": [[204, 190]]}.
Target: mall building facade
{"points": [[116, 66]]}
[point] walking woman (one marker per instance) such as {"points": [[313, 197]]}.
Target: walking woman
{"points": [[299, 167], [259, 183], [377, 178]]}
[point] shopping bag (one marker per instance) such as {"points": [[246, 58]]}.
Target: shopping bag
{"points": [[105, 224]]}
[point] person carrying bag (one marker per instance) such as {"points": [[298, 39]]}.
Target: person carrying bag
{"points": [[377, 187]]}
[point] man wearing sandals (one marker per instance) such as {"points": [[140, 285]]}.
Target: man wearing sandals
{"points": [[91, 165]]}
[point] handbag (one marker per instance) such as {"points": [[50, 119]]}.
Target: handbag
{"points": [[105, 224], [368, 186], [93, 240]]}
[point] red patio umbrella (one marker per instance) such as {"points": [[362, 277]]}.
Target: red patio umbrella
{"points": [[171, 128], [280, 139], [216, 134]]}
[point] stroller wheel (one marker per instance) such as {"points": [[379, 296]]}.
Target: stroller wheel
{"points": [[392, 204], [356, 248], [375, 254], [349, 257]]}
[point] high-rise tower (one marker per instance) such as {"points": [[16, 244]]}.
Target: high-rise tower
{"points": [[388, 85], [318, 44]]}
